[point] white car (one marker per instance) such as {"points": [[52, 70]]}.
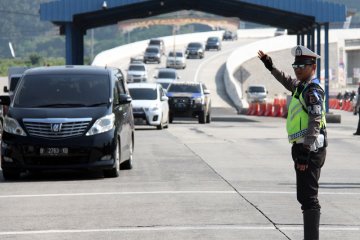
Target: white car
{"points": [[176, 59], [256, 93], [165, 76], [137, 72], [150, 104]]}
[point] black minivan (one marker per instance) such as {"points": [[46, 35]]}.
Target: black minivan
{"points": [[68, 117]]}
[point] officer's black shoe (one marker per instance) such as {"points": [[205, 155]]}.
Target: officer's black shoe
{"points": [[356, 133], [311, 224]]}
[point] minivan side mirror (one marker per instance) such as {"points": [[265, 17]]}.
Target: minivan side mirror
{"points": [[164, 98], [5, 100], [6, 89], [124, 99], [206, 91]]}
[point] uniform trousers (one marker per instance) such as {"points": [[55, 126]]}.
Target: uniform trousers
{"points": [[358, 127], [307, 182]]}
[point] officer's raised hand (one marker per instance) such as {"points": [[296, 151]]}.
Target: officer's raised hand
{"points": [[266, 60]]}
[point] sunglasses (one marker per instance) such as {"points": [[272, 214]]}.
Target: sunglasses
{"points": [[301, 66]]}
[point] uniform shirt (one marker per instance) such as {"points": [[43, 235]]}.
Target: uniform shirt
{"points": [[313, 96]]}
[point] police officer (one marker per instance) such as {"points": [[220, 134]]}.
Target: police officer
{"points": [[306, 127]]}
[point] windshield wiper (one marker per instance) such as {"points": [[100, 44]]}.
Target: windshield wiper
{"points": [[62, 105]]}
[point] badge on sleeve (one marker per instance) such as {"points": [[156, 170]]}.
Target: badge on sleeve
{"points": [[314, 103], [313, 99]]}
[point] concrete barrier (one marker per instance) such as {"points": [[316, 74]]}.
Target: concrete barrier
{"points": [[273, 44]]}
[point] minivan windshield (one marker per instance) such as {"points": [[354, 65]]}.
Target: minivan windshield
{"points": [[152, 50], [166, 74], [194, 45], [136, 68], [143, 93], [212, 39], [257, 89], [155, 42], [62, 91], [178, 54]]}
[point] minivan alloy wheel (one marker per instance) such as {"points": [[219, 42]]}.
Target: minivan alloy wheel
{"points": [[114, 172]]}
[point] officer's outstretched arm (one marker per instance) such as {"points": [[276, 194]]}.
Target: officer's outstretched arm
{"points": [[266, 60]]}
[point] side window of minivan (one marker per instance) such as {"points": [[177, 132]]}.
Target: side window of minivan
{"points": [[119, 82], [116, 94]]}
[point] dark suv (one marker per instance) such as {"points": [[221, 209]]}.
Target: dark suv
{"points": [[155, 42], [195, 49], [189, 99], [228, 35], [213, 43], [152, 54], [68, 117]]}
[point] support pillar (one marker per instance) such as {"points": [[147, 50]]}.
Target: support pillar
{"points": [[308, 39], [298, 39], [302, 39], [318, 50], [74, 45], [312, 39], [326, 65]]}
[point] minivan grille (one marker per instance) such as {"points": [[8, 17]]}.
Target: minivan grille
{"points": [[56, 128]]}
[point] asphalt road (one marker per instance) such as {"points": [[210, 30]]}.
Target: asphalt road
{"points": [[224, 180]]}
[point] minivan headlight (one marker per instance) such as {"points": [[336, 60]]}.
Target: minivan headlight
{"points": [[101, 125], [12, 126]]}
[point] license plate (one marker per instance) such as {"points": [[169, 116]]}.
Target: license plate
{"points": [[54, 151]]}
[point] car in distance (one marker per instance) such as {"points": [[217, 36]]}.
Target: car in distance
{"points": [[158, 43], [256, 93], [137, 72], [81, 118], [176, 59], [195, 50], [152, 54], [150, 104], [213, 43], [229, 35], [189, 99], [280, 32], [137, 59], [165, 76]]}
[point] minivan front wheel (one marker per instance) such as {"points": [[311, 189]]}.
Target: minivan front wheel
{"points": [[114, 172]]}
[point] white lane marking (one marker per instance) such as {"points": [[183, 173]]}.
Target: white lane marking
{"points": [[279, 192], [163, 192], [322, 228], [141, 229], [115, 193], [174, 228]]}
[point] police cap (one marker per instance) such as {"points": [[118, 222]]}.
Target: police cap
{"points": [[303, 55]]}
